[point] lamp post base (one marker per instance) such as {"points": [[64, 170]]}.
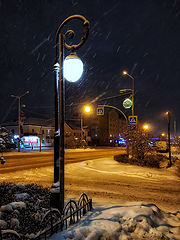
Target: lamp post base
{"points": [[54, 200], [55, 196]]}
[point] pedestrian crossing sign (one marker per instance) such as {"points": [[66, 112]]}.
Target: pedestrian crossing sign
{"points": [[100, 110], [133, 119]]}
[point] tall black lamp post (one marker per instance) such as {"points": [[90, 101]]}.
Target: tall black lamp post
{"points": [[71, 69]]}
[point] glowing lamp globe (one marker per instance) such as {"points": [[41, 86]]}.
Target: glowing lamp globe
{"points": [[73, 67], [127, 103]]}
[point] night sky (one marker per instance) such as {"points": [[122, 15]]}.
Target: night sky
{"points": [[141, 36]]}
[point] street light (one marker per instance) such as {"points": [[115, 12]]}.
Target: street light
{"points": [[64, 68], [168, 113], [19, 115], [133, 93], [87, 110], [73, 67], [146, 127]]}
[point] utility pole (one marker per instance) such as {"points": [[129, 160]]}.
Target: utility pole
{"points": [[19, 116], [132, 90], [169, 138], [81, 130], [40, 138], [19, 122], [175, 127], [133, 94]]}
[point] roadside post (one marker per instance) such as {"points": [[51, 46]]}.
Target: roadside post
{"points": [[133, 121]]}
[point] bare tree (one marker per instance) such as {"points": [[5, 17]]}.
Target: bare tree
{"points": [[137, 142]]}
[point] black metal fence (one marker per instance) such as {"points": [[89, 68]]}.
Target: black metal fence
{"points": [[53, 221]]}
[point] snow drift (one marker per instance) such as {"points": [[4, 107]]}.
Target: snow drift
{"points": [[125, 222]]}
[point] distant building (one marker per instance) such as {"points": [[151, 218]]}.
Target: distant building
{"points": [[106, 129], [34, 130], [99, 130]]}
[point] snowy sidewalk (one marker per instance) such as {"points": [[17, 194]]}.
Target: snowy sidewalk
{"points": [[44, 151]]}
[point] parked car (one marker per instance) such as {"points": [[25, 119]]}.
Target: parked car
{"points": [[162, 146]]}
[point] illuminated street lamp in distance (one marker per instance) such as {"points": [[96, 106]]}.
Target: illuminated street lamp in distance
{"points": [[146, 127], [87, 109], [124, 72]]}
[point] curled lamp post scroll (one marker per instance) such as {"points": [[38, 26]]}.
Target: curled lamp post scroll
{"points": [[70, 33], [60, 101]]}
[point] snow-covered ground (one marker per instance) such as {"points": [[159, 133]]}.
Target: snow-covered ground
{"points": [[130, 221], [126, 195], [126, 221], [108, 181]]}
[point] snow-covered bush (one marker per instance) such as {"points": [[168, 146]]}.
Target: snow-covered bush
{"points": [[138, 141], [139, 148], [151, 160], [5, 140], [22, 207]]}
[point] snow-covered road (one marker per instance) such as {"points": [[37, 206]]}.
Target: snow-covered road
{"points": [[110, 182]]}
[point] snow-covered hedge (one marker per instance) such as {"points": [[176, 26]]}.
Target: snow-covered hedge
{"points": [[151, 160], [22, 207], [5, 140]]}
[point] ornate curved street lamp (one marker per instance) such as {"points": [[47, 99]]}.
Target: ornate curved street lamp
{"points": [[64, 68]]}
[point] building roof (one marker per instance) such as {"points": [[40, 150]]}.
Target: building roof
{"points": [[32, 121], [75, 125]]}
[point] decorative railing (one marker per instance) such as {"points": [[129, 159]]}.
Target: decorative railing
{"points": [[53, 221]]}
